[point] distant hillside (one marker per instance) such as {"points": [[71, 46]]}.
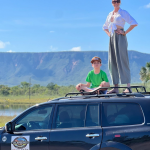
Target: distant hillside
{"points": [[62, 68]]}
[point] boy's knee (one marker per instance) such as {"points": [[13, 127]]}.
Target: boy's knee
{"points": [[103, 84], [77, 87]]}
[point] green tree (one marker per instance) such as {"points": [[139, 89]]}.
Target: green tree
{"points": [[148, 70], [51, 86], [145, 73], [25, 84], [2, 86], [36, 86], [5, 90], [15, 90]]}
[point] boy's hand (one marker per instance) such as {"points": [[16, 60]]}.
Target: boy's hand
{"points": [[79, 86]]}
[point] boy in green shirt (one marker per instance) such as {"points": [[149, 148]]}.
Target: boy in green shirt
{"points": [[96, 77]]}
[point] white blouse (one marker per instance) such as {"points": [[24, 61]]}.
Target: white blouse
{"points": [[120, 18]]}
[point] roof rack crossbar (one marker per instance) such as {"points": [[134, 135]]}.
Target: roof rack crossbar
{"points": [[92, 93], [110, 95], [136, 87]]}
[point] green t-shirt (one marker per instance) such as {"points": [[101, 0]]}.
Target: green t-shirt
{"points": [[96, 79]]}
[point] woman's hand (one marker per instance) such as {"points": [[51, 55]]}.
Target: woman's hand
{"points": [[119, 31]]}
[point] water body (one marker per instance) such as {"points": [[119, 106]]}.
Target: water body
{"points": [[12, 110]]}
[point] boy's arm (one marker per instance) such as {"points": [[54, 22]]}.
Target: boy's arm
{"points": [[85, 85], [105, 82], [88, 84]]}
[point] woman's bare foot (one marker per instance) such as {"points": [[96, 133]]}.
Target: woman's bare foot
{"points": [[127, 91], [114, 90]]}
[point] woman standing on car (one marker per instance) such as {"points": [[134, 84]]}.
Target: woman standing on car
{"points": [[118, 55]]}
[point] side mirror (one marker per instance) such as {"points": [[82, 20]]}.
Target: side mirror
{"points": [[9, 127]]}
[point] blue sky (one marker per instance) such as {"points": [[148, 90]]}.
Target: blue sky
{"points": [[65, 25]]}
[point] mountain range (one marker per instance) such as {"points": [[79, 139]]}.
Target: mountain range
{"points": [[62, 68]]}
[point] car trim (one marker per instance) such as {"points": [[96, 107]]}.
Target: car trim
{"points": [[124, 126], [77, 128]]}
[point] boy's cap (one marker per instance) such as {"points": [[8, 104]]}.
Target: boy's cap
{"points": [[95, 59]]}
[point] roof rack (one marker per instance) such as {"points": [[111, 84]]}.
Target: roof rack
{"points": [[92, 94], [85, 95]]}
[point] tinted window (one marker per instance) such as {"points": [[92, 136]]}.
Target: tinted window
{"points": [[35, 119], [69, 116], [92, 116], [116, 114]]}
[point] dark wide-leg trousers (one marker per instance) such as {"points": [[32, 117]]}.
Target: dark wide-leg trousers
{"points": [[118, 60]]}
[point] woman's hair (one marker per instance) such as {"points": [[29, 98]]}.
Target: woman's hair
{"points": [[119, 1]]}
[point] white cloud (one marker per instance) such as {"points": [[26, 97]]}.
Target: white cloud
{"points": [[76, 48], [147, 6], [52, 31], [53, 48], [10, 51], [3, 44]]}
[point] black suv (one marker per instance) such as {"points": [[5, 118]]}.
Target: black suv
{"points": [[85, 122]]}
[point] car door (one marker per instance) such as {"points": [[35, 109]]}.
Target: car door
{"points": [[124, 127], [76, 127], [32, 130]]}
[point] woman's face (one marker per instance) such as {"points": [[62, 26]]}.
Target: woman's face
{"points": [[116, 3]]}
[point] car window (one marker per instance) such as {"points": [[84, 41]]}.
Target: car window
{"points": [[35, 119], [92, 116], [69, 116], [116, 114]]}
